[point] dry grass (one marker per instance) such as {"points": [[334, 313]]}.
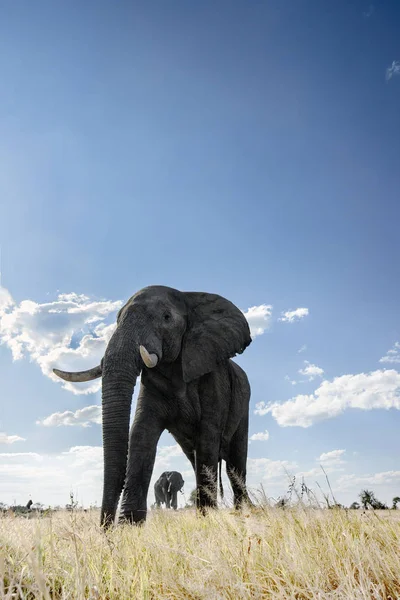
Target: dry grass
{"points": [[268, 553]]}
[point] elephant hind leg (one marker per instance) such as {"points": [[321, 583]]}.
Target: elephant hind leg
{"points": [[236, 463]]}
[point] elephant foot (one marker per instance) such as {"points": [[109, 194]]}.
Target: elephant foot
{"points": [[204, 510], [133, 517]]}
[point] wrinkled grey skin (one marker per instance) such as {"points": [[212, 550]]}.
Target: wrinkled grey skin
{"points": [[195, 392], [166, 489]]}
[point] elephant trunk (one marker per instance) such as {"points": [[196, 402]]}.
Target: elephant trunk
{"points": [[120, 370]]}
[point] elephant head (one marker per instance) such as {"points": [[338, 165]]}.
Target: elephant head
{"points": [[157, 327], [175, 481]]}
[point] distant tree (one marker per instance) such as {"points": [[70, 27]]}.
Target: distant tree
{"points": [[367, 499], [378, 505], [19, 509], [354, 506], [395, 501]]}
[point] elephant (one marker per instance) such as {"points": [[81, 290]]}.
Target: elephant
{"points": [[181, 343], [166, 489]]}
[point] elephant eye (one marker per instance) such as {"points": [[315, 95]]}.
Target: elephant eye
{"points": [[167, 317]]}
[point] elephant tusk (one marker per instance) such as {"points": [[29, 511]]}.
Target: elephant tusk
{"points": [[150, 360], [79, 376]]}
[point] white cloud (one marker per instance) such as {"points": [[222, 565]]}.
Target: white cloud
{"points": [[261, 409], [269, 469], [294, 315], [311, 371], [166, 454], [10, 439], [263, 436], [302, 349], [382, 478], [334, 457], [258, 318], [49, 478], [331, 462], [377, 390], [394, 69], [69, 332], [82, 417], [82, 455], [392, 356], [9, 455]]}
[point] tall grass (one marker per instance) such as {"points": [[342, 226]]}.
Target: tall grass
{"points": [[300, 553]]}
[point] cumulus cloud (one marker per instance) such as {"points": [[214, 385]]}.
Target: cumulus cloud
{"points": [[166, 454], [261, 409], [269, 469], [83, 417], [392, 355], [10, 439], [290, 316], [330, 461], [365, 391], [302, 349], [258, 318], [10, 455], [311, 371], [69, 332], [49, 478], [82, 455], [263, 436], [393, 70], [334, 457], [382, 478]]}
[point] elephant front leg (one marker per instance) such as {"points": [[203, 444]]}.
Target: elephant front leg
{"points": [[144, 435], [206, 473]]}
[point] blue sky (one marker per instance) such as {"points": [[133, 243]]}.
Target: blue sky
{"points": [[247, 149]]}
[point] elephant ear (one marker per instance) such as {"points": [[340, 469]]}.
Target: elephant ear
{"points": [[217, 330]]}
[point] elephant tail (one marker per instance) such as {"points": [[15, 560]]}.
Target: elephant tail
{"points": [[221, 488]]}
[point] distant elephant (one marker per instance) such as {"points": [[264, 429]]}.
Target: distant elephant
{"points": [[166, 489], [181, 343]]}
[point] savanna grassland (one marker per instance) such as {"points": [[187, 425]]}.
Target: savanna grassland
{"points": [[300, 553]]}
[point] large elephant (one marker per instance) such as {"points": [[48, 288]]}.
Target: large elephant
{"points": [[181, 343], [166, 489]]}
